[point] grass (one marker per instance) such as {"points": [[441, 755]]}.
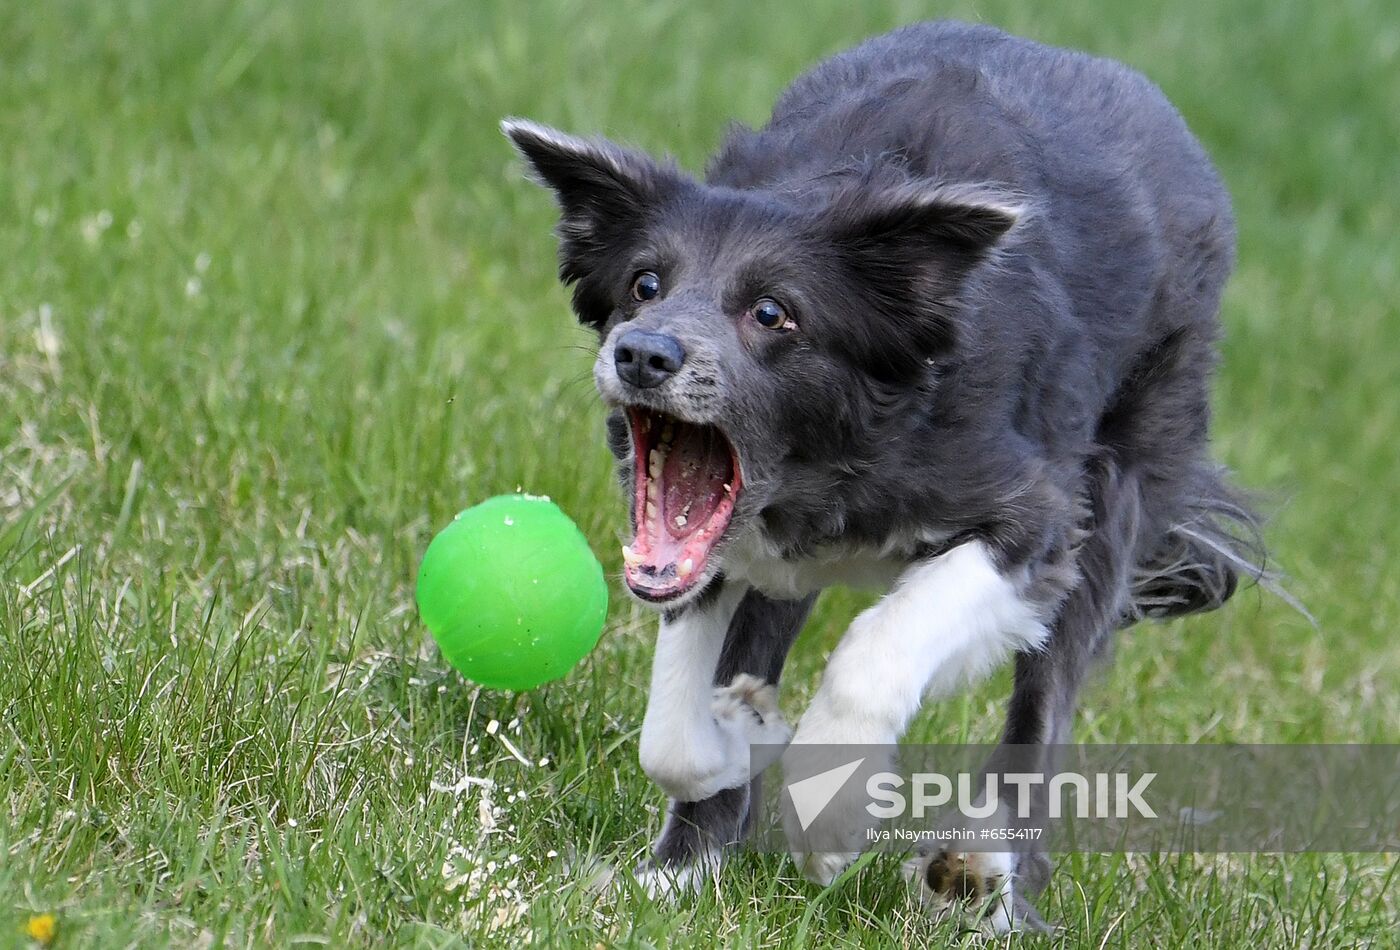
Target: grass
{"points": [[275, 303]]}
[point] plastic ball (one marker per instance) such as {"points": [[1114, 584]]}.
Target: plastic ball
{"points": [[512, 593]]}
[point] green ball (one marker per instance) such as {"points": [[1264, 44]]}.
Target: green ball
{"points": [[512, 593]]}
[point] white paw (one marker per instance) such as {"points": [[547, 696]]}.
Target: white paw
{"points": [[831, 840], [661, 884], [823, 867], [667, 884], [747, 711], [825, 806], [976, 883]]}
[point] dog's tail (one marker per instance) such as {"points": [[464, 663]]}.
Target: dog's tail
{"points": [[1200, 536], [1199, 562]]}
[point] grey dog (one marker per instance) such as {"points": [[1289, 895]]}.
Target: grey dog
{"points": [[944, 326]]}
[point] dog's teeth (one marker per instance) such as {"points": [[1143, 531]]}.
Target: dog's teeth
{"points": [[652, 510], [654, 461], [685, 568], [630, 557], [728, 488], [680, 521]]}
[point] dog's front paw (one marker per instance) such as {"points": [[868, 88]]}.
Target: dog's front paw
{"points": [[978, 884], [664, 883], [671, 882], [824, 808], [823, 867], [828, 844], [747, 711]]}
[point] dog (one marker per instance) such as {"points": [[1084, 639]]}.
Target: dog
{"points": [[945, 326]]}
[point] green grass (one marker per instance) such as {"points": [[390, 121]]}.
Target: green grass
{"points": [[275, 302]]}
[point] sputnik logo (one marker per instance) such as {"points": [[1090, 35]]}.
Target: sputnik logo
{"points": [[812, 794]]}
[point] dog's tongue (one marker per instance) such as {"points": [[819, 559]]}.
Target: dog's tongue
{"points": [[693, 479], [687, 481]]}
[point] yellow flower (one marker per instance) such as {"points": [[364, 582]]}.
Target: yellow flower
{"points": [[42, 928]]}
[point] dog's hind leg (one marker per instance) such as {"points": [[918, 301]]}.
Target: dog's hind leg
{"points": [[700, 702], [1041, 712]]}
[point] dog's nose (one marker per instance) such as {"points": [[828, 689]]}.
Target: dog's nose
{"points": [[645, 358]]}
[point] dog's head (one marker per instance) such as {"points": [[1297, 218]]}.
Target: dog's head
{"points": [[751, 341]]}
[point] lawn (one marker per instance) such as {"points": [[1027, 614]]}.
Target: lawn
{"points": [[275, 303]]}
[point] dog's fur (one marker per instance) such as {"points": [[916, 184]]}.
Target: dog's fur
{"points": [[1004, 262]]}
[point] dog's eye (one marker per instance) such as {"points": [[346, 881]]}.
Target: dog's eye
{"points": [[771, 315], [645, 286]]}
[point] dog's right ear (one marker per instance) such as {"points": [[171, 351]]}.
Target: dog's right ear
{"points": [[912, 248], [605, 194]]}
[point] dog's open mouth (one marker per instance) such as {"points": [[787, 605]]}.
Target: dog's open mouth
{"points": [[687, 481]]}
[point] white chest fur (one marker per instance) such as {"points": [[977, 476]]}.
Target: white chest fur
{"points": [[755, 563]]}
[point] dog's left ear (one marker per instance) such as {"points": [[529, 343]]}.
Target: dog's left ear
{"points": [[605, 194], [964, 221], [913, 249]]}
